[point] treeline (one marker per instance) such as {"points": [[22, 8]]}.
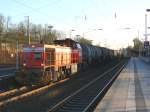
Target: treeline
{"points": [[10, 33]]}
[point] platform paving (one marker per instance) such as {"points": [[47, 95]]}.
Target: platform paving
{"points": [[131, 90]]}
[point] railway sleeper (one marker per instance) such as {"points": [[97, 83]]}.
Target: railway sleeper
{"points": [[71, 109], [81, 100], [77, 103]]}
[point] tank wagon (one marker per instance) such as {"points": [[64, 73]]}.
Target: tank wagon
{"points": [[49, 63]]}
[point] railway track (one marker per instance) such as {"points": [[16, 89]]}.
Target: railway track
{"points": [[15, 92], [6, 76], [10, 103], [86, 98], [6, 66], [23, 92], [8, 83]]}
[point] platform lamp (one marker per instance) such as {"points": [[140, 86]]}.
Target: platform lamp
{"points": [[146, 34]]}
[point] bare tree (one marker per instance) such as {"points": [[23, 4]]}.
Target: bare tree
{"points": [[137, 43], [2, 20]]}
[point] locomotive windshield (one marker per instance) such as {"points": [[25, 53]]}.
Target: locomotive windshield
{"points": [[37, 56]]}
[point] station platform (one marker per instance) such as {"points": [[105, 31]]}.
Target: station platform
{"points": [[131, 90]]}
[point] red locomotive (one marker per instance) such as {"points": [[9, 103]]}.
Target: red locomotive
{"points": [[44, 63]]}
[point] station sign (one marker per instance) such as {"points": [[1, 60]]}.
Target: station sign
{"points": [[147, 34], [146, 44]]}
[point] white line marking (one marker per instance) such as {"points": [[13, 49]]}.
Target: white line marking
{"points": [[131, 104]]}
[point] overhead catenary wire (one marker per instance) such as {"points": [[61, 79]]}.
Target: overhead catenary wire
{"points": [[36, 10], [27, 6]]}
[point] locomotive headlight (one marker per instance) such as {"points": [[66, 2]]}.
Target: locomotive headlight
{"points": [[42, 64], [24, 64], [33, 46]]}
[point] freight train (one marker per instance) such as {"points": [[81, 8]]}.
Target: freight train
{"points": [[49, 63]]}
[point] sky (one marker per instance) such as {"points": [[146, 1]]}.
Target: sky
{"points": [[120, 20]]}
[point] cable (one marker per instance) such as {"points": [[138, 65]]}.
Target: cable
{"points": [[45, 6], [50, 4], [33, 9], [36, 10]]}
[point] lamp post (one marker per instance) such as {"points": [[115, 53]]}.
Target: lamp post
{"points": [[17, 51], [146, 34], [50, 30], [28, 29], [71, 32], [50, 27]]}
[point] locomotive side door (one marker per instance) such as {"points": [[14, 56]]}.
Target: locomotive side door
{"points": [[50, 62]]}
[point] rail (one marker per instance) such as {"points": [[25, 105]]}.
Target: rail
{"points": [[23, 92]]}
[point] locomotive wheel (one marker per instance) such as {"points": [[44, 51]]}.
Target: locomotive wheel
{"points": [[55, 79], [61, 74], [47, 77], [68, 72], [58, 76]]}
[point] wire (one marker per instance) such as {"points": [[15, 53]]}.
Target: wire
{"points": [[50, 4], [33, 9], [37, 10]]}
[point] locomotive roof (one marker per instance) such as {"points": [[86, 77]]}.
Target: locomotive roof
{"points": [[54, 46], [45, 46]]}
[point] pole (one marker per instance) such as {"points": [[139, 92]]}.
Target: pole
{"points": [[45, 30], [50, 31], [28, 29], [71, 33], [148, 10], [145, 27], [83, 35], [17, 58], [139, 39]]}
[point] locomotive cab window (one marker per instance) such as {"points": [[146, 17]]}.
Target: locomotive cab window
{"points": [[37, 56]]}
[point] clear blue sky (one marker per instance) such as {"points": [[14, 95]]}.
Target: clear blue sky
{"points": [[83, 16]]}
